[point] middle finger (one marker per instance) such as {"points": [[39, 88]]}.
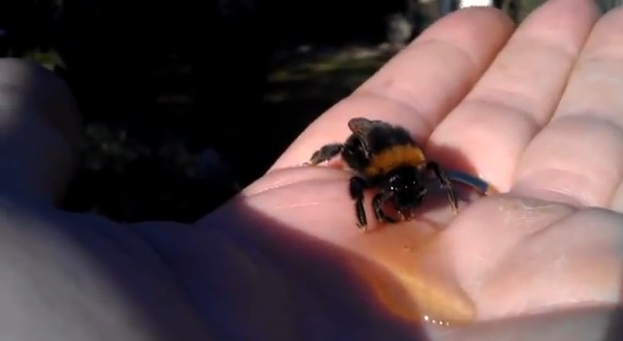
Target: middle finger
{"points": [[517, 95], [578, 157]]}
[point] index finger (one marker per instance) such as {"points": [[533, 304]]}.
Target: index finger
{"points": [[419, 86]]}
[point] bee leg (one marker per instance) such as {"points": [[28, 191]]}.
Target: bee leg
{"points": [[377, 204], [357, 186], [445, 183], [325, 153], [472, 181]]}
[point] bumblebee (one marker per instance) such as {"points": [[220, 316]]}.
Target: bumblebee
{"points": [[385, 157]]}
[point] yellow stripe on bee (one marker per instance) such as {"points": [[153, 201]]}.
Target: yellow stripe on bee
{"points": [[393, 157]]}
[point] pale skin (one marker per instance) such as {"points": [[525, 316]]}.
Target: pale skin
{"points": [[536, 111]]}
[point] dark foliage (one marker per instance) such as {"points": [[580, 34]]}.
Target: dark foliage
{"points": [[159, 83]]}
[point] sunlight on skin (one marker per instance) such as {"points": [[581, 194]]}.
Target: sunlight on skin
{"points": [[440, 66], [396, 248], [508, 114], [285, 261]]}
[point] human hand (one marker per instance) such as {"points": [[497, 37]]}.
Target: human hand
{"points": [[285, 261], [535, 112]]}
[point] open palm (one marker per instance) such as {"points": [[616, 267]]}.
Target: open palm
{"points": [[536, 112]]}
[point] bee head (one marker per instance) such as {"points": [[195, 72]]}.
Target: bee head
{"points": [[407, 190]]}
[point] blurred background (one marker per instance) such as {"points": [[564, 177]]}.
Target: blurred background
{"points": [[186, 102]]}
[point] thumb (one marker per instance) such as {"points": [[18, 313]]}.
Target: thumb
{"points": [[39, 125]]}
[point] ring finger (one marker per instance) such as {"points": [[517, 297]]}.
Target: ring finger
{"points": [[578, 157]]}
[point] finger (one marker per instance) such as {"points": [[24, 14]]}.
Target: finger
{"points": [[578, 157], [419, 85], [518, 94]]}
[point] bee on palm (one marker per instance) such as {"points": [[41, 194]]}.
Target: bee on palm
{"points": [[385, 157]]}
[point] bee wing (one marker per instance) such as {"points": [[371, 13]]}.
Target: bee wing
{"points": [[360, 126]]}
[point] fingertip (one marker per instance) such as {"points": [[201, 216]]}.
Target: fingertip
{"points": [[488, 25]]}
